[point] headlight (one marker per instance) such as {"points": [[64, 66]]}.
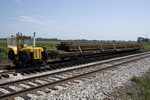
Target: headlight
{"points": [[15, 48], [31, 50], [42, 49]]}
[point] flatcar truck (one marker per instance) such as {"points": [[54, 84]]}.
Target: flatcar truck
{"points": [[23, 53]]}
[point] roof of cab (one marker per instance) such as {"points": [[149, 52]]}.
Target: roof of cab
{"points": [[22, 37]]}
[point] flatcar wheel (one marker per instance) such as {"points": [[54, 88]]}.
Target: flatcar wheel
{"points": [[62, 59], [44, 55]]}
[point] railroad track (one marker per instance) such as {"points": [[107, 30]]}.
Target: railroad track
{"points": [[32, 84], [5, 71]]}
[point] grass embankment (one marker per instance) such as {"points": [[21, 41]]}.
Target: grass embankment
{"points": [[144, 92]]}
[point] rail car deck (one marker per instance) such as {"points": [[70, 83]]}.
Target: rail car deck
{"points": [[74, 49]]}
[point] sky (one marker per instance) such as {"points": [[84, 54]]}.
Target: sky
{"points": [[76, 19]]}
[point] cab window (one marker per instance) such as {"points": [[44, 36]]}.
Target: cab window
{"points": [[25, 41], [12, 42]]}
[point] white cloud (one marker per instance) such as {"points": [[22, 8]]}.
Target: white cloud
{"points": [[34, 20]]}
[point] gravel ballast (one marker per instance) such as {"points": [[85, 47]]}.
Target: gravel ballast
{"points": [[100, 86]]}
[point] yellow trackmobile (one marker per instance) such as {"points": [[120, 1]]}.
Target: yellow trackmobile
{"points": [[22, 52]]}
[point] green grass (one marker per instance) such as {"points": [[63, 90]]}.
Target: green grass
{"points": [[3, 52], [48, 45], [144, 92], [146, 45], [3, 49]]}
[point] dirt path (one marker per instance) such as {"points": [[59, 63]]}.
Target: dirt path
{"points": [[5, 61]]}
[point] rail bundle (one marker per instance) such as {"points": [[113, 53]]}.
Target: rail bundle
{"points": [[74, 49]]}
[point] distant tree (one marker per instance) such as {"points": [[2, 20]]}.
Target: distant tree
{"points": [[146, 40], [47, 39], [141, 39], [3, 38]]}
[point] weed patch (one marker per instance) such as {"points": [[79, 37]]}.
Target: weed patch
{"points": [[144, 92]]}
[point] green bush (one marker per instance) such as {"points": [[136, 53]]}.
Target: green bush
{"points": [[3, 52]]}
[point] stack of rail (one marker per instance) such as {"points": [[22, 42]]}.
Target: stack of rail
{"points": [[71, 49]]}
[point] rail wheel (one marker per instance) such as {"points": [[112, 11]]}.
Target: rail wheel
{"points": [[11, 55], [24, 57]]}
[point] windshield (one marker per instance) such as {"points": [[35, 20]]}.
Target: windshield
{"points": [[12, 41], [25, 41]]}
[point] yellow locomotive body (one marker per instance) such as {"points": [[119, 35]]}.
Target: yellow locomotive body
{"points": [[22, 52]]}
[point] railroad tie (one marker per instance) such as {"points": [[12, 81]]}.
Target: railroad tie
{"points": [[1, 93], [26, 97], [9, 89]]}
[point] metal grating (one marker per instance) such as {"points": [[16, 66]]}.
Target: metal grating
{"points": [[37, 53]]}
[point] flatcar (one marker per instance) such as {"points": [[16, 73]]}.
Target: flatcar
{"points": [[82, 49]]}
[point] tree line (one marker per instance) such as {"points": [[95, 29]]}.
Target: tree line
{"points": [[141, 39]]}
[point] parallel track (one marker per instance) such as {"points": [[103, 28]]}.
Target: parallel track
{"points": [[66, 75]]}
